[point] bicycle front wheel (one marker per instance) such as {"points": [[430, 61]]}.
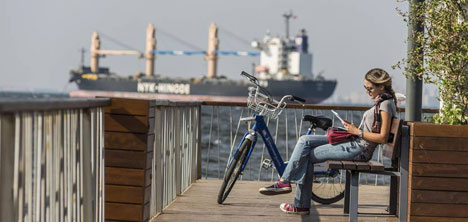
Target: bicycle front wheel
{"points": [[233, 172], [329, 189]]}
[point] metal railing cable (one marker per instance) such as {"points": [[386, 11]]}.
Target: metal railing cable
{"points": [[209, 140], [233, 140]]}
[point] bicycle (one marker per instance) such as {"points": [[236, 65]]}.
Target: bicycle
{"points": [[325, 189]]}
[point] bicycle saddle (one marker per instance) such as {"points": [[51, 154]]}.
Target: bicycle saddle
{"points": [[321, 122]]}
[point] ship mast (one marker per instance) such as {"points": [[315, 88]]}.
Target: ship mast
{"points": [[287, 16], [95, 46], [213, 45], [150, 47]]}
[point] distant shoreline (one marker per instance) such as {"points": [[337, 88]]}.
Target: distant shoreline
{"points": [[32, 94]]}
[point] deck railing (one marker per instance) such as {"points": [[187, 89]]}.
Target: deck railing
{"points": [[51, 160], [222, 132], [176, 158]]}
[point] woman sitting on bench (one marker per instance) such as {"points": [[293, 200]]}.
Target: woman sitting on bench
{"points": [[310, 149]]}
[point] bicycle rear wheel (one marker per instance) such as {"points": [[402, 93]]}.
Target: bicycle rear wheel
{"points": [[233, 171], [329, 189]]}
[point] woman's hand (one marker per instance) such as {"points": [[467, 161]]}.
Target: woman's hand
{"points": [[351, 128]]}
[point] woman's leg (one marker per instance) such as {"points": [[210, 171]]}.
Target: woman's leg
{"points": [[298, 163], [343, 151]]}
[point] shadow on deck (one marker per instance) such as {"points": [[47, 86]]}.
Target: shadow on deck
{"points": [[244, 204]]}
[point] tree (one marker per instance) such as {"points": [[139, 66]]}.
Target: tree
{"points": [[444, 45]]}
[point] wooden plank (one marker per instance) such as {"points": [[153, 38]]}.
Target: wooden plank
{"points": [[333, 164], [436, 130], [376, 166], [439, 183], [437, 219], [349, 165], [433, 156], [362, 166], [125, 159], [124, 176], [439, 210], [125, 194], [245, 203], [126, 141], [449, 197], [440, 143], [126, 212], [439, 170], [122, 123], [128, 107]]}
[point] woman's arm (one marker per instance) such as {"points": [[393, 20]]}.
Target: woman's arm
{"points": [[373, 137]]}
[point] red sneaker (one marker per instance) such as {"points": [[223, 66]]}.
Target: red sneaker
{"points": [[290, 209], [277, 188]]}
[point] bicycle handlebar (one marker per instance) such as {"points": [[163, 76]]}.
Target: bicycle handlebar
{"points": [[259, 91], [251, 78]]}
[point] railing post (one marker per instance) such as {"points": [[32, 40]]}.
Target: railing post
{"points": [[7, 154], [178, 150], [89, 188], [404, 167]]}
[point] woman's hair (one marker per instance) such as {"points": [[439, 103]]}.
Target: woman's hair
{"points": [[380, 77]]}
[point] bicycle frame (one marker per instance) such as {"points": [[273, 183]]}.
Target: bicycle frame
{"points": [[261, 101], [260, 127]]}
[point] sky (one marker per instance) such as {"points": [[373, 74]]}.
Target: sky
{"points": [[40, 41]]}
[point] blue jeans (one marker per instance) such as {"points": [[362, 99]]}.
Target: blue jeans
{"points": [[311, 149]]}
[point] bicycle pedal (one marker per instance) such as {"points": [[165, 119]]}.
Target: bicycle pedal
{"points": [[266, 164]]}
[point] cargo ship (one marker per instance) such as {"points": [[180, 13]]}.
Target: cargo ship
{"points": [[285, 68]]}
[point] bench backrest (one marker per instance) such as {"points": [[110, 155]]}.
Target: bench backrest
{"points": [[392, 148]]}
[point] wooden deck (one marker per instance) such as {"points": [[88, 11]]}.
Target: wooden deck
{"points": [[245, 204]]}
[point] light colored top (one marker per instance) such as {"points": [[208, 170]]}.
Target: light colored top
{"points": [[367, 121]]}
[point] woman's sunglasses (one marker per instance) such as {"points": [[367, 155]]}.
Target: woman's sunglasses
{"points": [[369, 89]]}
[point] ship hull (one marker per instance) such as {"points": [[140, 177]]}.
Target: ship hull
{"points": [[314, 91]]}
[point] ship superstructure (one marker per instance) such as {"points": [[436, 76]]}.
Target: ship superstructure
{"points": [[284, 58]]}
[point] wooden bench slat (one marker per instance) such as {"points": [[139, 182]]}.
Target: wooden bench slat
{"points": [[355, 165], [334, 164], [362, 165], [349, 165], [376, 166]]}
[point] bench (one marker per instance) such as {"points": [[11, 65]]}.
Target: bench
{"points": [[397, 151]]}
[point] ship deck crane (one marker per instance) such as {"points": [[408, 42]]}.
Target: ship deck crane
{"points": [[211, 55]]}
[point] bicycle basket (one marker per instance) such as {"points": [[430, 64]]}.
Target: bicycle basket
{"points": [[263, 105]]}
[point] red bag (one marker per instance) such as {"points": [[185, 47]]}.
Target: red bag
{"points": [[338, 135]]}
